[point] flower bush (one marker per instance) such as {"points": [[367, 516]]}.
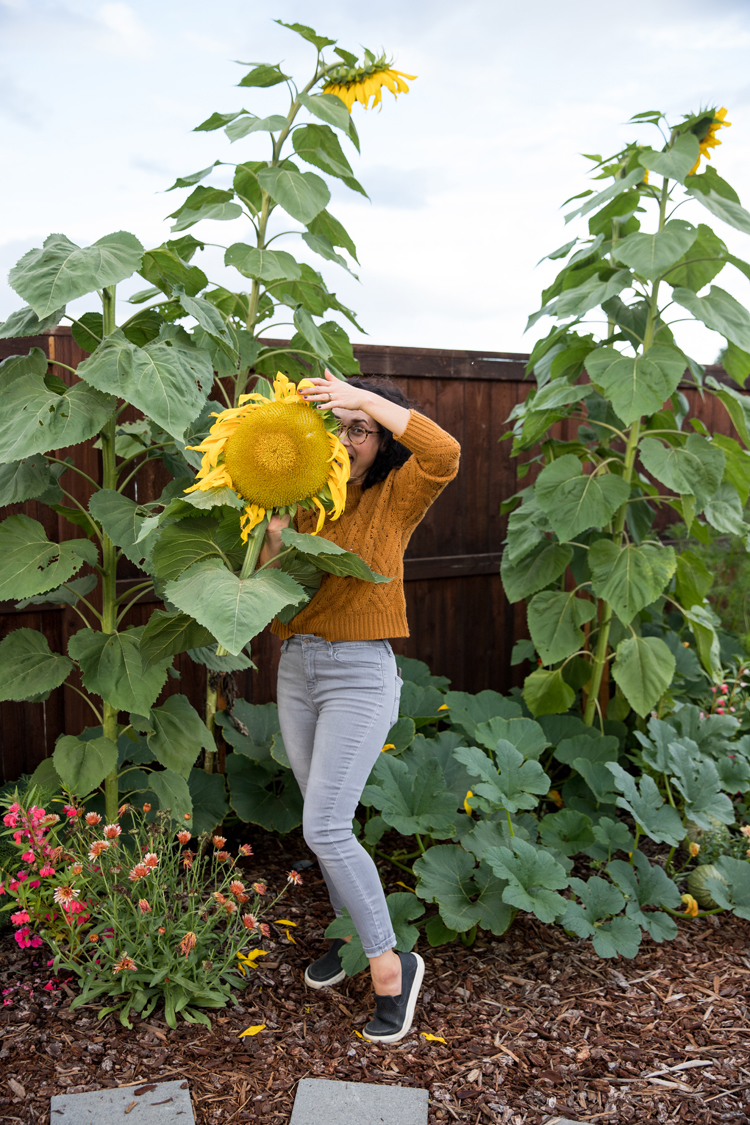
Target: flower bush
{"points": [[141, 913]]}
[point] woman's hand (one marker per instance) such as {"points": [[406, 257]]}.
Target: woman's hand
{"points": [[272, 545], [335, 394]]}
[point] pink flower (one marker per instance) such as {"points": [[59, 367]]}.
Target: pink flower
{"points": [[49, 986], [70, 811], [47, 870], [259, 888], [245, 849], [294, 877], [64, 895], [28, 857], [249, 921], [93, 818], [183, 836], [144, 906], [20, 917], [265, 930], [97, 848], [10, 820], [150, 859], [112, 831]]}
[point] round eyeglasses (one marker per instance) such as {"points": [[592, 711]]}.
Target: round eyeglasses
{"points": [[356, 433]]}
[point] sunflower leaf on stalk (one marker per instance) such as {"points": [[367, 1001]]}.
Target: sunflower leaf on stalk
{"points": [[276, 453]]}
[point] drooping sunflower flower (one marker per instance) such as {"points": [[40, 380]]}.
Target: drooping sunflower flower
{"points": [[710, 140], [360, 83], [276, 453]]}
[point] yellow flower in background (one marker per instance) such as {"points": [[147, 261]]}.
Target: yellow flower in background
{"points": [[691, 906], [710, 140], [359, 84], [276, 453], [467, 806], [388, 746]]}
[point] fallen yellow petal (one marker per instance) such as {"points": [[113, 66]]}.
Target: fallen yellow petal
{"points": [[467, 806], [252, 1030], [388, 746], [284, 922], [358, 1033], [400, 884], [443, 707], [289, 937], [251, 957], [433, 1038]]}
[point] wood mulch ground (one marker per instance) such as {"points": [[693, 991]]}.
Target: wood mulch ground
{"points": [[536, 1027]]}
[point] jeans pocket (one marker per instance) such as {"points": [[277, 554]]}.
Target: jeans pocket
{"points": [[357, 654], [397, 699]]}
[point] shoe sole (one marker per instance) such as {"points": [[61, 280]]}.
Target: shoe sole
{"points": [[323, 983], [410, 1007]]}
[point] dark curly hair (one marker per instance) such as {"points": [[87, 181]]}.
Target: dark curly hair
{"points": [[392, 454]]}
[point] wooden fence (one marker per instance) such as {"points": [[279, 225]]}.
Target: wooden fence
{"points": [[461, 623]]}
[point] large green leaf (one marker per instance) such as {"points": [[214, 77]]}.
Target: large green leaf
{"points": [[567, 831], [167, 380], [27, 479], [629, 577], [466, 711], [326, 226], [699, 264], [122, 520], [173, 794], [81, 765], [25, 322], [183, 543], [575, 501], [724, 511], [319, 146], [263, 76], [206, 203], [31, 564], [515, 784], [465, 896], [263, 265], [176, 734], [650, 254], [526, 735], [534, 876], [35, 417], [246, 124], [527, 526], [422, 704], [28, 667], [643, 671], [590, 293], [737, 468], [209, 318], [594, 202], [737, 407], [412, 796], [636, 385], [545, 692], [257, 798], [310, 332], [676, 162], [330, 557], [302, 194], [695, 468], [599, 899], [534, 571], [720, 311], [210, 804], [62, 271], [233, 609], [111, 667], [726, 209], [732, 890], [647, 807], [703, 622], [554, 619], [698, 780], [329, 108], [251, 728], [167, 634]]}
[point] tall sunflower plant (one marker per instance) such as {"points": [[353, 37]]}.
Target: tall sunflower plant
{"points": [[614, 613], [187, 387]]}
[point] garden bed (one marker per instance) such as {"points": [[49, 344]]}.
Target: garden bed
{"points": [[536, 1026]]}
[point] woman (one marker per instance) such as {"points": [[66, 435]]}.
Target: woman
{"points": [[338, 687]]}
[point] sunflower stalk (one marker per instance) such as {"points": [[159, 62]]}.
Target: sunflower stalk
{"points": [[109, 564]]}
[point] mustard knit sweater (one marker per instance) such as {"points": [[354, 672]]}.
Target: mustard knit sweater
{"points": [[377, 524]]}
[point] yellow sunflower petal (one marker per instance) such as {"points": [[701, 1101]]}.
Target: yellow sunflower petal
{"points": [[250, 518], [214, 479], [252, 1030]]}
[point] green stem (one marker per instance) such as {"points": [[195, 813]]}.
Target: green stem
{"points": [[510, 823], [109, 565], [395, 862]]}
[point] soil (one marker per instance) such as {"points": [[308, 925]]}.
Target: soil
{"points": [[535, 1025]]}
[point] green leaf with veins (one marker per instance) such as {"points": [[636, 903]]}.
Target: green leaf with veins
{"points": [[263, 265], [403, 908], [629, 577], [724, 208], [177, 735], [536, 570], [719, 311], [526, 735], [567, 831], [30, 564], [534, 877], [575, 501], [554, 619], [658, 820], [111, 667], [724, 512], [695, 467], [302, 194], [411, 800], [734, 894], [651, 254], [27, 666], [83, 766], [466, 710], [167, 634], [643, 670], [699, 264], [61, 271], [466, 896], [699, 783], [676, 163], [636, 385], [25, 322], [27, 479], [545, 692], [515, 784]]}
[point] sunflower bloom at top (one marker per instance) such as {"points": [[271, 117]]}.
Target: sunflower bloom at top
{"points": [[710, 139], [276, 453], [360, 83]]}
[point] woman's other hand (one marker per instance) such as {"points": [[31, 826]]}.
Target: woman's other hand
{"points": [[272, 544]]}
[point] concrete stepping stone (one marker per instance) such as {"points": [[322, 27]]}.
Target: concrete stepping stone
{"points": [[320, 1101], [152, 1103]]}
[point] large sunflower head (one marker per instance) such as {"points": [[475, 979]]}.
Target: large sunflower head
{"points": [[360, 83], [705, 126], [276, 453]]}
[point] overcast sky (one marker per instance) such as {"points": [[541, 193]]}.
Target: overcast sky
{"points": [[466, 173]]}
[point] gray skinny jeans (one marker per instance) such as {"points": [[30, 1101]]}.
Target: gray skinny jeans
{"points": [[337, 702]]}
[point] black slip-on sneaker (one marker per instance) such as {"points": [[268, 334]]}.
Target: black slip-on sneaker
{"points": [[327, 969], [394, 1014]]}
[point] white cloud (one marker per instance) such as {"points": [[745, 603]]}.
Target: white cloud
{"points": [[123, 34]]}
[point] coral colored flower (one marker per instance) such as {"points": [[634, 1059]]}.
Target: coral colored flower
{"points": [[112, 831], [245, 849], [230, 907], [265, 930], [236, 887], [144, 906], [93, 818], [20, 917], [187, 860], [188, 943], [65, 894], [694, 849], [219, 897], [137, 872], [294, 877], [745, 830], [123, 965], [147, 807], [691, 906], [161, 930], [218, 841], [259, 888], [93, 938], [151, 859], [184, 836], [76, 869], [249, 921], [242, 898], [47, 870], [223, 856], [122, 810], [275, 453], [97, 848]]}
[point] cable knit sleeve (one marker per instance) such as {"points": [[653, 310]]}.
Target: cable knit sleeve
{"points": [[432, 465]]}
